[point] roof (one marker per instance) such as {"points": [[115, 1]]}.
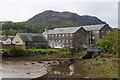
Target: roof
{"points": [[62, 30], [31, 37], [11, 37], [93, 27], [3, 38], [73, 29]]}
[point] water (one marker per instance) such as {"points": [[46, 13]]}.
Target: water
{"points": [[58, 71]]}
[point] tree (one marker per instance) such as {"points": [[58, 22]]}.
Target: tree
{"points": [[111, 42]]}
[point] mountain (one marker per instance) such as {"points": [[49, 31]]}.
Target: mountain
{"points": [[48, 19], [53, 19]]}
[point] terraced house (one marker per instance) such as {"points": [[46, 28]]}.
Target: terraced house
{"points": [[77, 37]]}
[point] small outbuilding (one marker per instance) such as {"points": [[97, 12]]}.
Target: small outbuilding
{"points": [[30, 40]]}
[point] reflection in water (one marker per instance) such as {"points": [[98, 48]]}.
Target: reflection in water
{"points": [[59, 71], [71, 67]]}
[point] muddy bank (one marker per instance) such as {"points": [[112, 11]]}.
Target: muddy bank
{"points": [[25, 69]]}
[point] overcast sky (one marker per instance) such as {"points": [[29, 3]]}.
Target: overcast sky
{"points": [[22, 10]]}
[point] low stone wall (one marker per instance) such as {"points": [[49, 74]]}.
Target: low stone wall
{"points": [[7, 46], [20, 53]]}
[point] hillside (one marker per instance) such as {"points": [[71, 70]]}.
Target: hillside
{"points": [[61, 19], [48, 19]]}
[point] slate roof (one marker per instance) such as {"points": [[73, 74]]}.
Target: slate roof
{"points": [[11, 37], [32, 37], [62, 30], [93, 27], [3, 38], [74, 29]]}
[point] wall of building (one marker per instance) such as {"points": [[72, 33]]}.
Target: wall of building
{"points": [[104, 31], [17, 40], [35, 45], [81, 39], [8, 41], [60, 40]]}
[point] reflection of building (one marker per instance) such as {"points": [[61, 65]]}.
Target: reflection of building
{"points": [[77, 37], [30, 40], [67, 37]]}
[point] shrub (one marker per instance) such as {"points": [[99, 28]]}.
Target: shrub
{"points": [[110, 43], [17, 51]]}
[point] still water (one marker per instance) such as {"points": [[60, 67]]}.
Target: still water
{"points": [[59, 71]]}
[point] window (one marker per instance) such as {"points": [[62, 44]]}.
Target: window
{"points": [[63, 41], [17, 42], [70, 40], [66, 35], [93, 37], [50, 40], [63, 35], [102, 36], [66, 41], [58, 40], [70, 35], [59, 35]]}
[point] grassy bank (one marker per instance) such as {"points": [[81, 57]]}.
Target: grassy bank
{"points": [[96, 68], [61, 49]]}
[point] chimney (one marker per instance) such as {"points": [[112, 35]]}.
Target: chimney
{"points": [[46, 29]]}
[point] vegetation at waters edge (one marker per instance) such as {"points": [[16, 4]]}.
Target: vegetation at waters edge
{"points": [[97, 68], [41, 53], [111, 42], [4, 49], [61, 49]]}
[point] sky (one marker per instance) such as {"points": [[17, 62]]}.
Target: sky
{"points": [[22, 10]]}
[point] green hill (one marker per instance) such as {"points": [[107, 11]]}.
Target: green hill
{"points": [[49, 19]]}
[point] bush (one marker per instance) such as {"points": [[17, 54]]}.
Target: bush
{"points": [[17, 51], [65, 49], [110, 43]]}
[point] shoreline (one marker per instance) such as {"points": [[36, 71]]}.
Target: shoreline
{"points": [[25, 69]]}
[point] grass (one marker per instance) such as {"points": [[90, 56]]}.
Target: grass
{"points": [[97, 68], [42, 49], [55, 56], [61, 49], [4, 49]]}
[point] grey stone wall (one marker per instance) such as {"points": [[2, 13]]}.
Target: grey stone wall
{"points": [[35, 45], [81, 39]]}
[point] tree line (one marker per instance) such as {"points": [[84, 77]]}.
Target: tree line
{"points": [[11, 28]]}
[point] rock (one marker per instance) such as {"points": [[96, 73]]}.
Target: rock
{"points": [[96, 59], [33, 63], [40, 62], [26, 64], [28, 73], [55, 63], [86, 77]]}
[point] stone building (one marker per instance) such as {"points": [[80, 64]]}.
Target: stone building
{"points": [[6, 39], [30, 40], [77, 37], [97, 32], [67, 37]]}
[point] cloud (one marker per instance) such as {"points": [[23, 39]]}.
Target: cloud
{"points": [[22, 10]]}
